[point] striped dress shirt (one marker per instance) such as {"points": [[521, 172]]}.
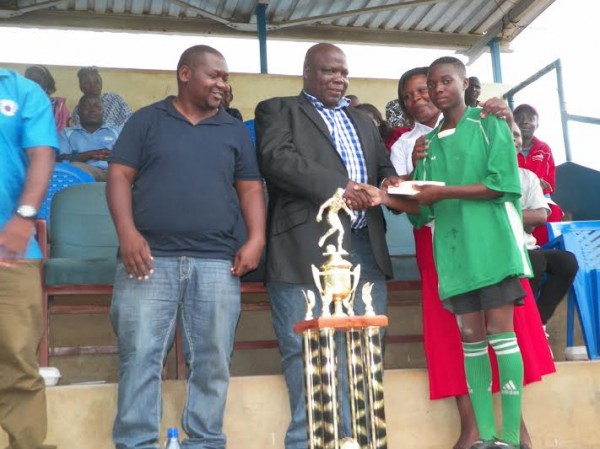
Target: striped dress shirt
{"points": [[345, 140]]}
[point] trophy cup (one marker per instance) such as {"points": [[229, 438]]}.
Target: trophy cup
{"points": [[336, 282]]}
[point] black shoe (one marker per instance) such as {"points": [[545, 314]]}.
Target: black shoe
{"points": [[480, 444]]}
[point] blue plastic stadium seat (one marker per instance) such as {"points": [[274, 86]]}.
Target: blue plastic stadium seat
{"points": [[582, 238], [250, 127], [64, 175]]}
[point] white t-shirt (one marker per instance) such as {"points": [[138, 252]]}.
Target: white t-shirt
{"points": [[401, 153], [532, 197]]}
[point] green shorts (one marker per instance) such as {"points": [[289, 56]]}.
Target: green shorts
{"points": [[485, 298]]}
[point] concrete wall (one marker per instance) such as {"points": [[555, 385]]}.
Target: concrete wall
{"points": [[141, 87], [562, 412]]}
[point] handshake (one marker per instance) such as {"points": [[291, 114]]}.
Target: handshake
{"points": [[396, 193]]}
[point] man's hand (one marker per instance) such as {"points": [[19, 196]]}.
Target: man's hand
{"points": [[247, 258], [100, 155], [428, 194], [420, 150], [136, 255], [376, 196], [14, 238], [356, 199]]}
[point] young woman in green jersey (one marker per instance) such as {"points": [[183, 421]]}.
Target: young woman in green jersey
{"points": [[478, 244]]}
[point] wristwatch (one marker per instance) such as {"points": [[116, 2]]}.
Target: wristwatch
{"points": [[26, 211]]}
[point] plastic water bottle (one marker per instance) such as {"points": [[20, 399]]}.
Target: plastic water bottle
{"points": [[172, 438]]}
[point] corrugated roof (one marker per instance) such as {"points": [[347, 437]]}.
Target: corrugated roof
{"points": [[463, 25]]}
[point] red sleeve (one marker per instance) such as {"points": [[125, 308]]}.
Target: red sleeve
{"points": [[541, 162], [394, 135]]}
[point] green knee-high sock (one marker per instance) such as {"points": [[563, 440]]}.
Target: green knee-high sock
{"points": [[479, 378], [510, 369]]}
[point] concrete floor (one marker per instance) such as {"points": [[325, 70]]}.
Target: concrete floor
{"points": [[562, 412]]}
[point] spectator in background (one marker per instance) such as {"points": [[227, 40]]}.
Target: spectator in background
{"points": [[473, 91], [226, 103], [537, 157], [415, 102], [88, 145], [44, 78], [116, 111], [354, 100], [553, 270], [28, 136], [395, 116], [387, 133]]}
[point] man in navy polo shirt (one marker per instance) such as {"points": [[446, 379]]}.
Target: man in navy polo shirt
{"points": [[27, 143], [179, 174]]}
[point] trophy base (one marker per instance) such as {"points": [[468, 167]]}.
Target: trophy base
{"points": [[341, 323]]}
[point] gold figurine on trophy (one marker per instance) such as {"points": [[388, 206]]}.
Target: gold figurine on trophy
{"points": [[334, 205], [337, 282]]}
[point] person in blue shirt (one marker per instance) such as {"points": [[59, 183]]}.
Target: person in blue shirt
{"points": [[88, 145], [27, 145]]}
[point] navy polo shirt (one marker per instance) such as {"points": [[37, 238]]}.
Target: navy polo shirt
{"points": [[184, 198]]}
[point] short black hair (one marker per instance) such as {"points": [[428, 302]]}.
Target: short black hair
{"points": [[473, 78], [370, 109], [86, 97], [384, 128], [189, 55], [85, 71], [457, 63], [42, 70]]}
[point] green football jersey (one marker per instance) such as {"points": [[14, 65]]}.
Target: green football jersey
{"points": [[477, 243]]}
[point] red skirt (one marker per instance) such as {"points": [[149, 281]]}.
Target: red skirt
{"points": [[443, 345]]}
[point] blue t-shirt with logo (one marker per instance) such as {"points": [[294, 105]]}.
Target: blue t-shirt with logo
{"points": [[26, 121], [79, 139]]}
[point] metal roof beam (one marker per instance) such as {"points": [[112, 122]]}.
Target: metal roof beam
{"points": [[505, 22], [204, 13], [314, 33], [367, 36], [354, 12], [8, 13], [304, 21]]}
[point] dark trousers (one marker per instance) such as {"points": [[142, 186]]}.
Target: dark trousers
{"points": [[553, 274]]}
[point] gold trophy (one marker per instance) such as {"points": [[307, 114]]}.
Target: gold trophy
{"points": [[337, 282]]}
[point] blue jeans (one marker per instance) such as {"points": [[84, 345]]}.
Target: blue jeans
{"points": [[204, 298], [288, 307]]}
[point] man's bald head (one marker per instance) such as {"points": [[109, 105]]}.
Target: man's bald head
{"points": [[325, 73], [316, 51]]}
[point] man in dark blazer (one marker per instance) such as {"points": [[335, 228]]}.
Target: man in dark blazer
{"points": [[309, 146]]}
